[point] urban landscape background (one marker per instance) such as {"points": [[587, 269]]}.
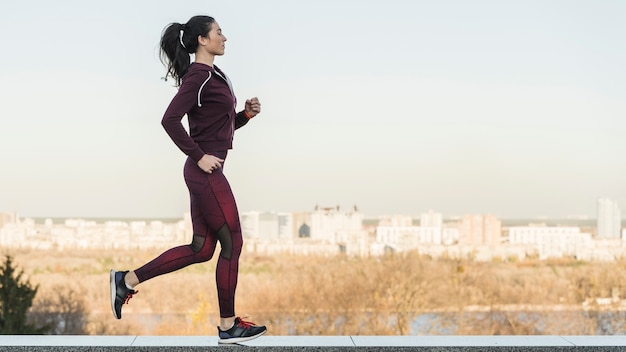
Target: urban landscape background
{"points": [[492, 130], [331, 267], [335, 230]]}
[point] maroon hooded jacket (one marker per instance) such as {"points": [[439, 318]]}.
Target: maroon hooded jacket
{"points": [[206, 96]]}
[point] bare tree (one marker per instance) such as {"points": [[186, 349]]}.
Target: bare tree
{"points": [[61, 308]]}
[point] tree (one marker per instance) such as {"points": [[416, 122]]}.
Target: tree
{"points": [[16, 297], [62, 310]]}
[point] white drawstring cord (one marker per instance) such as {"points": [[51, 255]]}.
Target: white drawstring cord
{"points": [[200, 90]]}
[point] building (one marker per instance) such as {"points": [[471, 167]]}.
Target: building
{"points": [[552, 242], [398, 234], [431, 219], [407, 238], [479, 230], [267, 226], [609, 219], [327, 221], [88, 234]]}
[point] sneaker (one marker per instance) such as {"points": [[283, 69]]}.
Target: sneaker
{"points": [[241, 331], [120, 294]]}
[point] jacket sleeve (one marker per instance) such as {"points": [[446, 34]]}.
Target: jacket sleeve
{"points": [[181, 104], [241, 119]]}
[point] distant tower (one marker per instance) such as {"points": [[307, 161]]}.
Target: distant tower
{"points": [[480, 230], [609, 219], [431, 219]]}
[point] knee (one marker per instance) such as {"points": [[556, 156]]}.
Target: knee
{"points": [[197, 245], [237, 245]]}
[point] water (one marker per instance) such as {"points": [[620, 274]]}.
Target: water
{"points": [[581, 322]]}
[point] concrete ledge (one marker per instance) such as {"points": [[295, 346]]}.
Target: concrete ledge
{"points": [[540, 343]]}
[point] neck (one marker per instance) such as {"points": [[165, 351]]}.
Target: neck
{"points": [[204, 58]]}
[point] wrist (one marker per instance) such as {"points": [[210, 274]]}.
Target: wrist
{"points": [[248, 116]]}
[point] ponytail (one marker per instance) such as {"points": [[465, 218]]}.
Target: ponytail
{"points": [[178, 41]]}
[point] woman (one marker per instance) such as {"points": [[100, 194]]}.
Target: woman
{"points": [[206, 96]]}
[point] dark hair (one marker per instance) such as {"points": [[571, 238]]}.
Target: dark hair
{"points": [[176, 47]]}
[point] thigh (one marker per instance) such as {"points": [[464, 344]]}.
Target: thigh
{"points": [[225, 201], [212, 200], [198, 186]]}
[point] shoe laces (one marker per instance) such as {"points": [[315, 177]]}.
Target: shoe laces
{"points": [[245, 324], [129, 295]]}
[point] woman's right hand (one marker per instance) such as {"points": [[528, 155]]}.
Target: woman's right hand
{"points": [[208, 163]]}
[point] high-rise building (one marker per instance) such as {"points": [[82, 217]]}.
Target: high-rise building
{"points": [[480, 230], [250, 224], [268, 226], [431, 219], [8, 218], [326, 221], [285, 227], [609, 218]]}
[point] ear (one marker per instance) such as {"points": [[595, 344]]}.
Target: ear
{"points": [[202, 40]]}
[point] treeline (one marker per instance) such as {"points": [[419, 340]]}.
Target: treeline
{"points": [[297, 295], [384, 296]]}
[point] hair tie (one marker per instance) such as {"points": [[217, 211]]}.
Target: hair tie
{"points": [[180, 35]]}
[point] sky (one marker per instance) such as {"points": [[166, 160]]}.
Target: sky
{"points": [[511, 108]]}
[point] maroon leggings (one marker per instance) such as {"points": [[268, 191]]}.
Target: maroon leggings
{"points": [[214, 218]]}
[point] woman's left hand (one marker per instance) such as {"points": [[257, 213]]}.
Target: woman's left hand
{"points": [[253, 107]]}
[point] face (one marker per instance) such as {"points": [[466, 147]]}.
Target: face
{"points": [[214, 42]]}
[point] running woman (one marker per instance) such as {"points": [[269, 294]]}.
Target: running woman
{"points": [[205, 95]]}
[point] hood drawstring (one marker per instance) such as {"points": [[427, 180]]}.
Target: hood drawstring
{"points": [[225, 78], [200, 90]]}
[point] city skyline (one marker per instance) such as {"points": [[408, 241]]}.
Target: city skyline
{"points": [[511, 109], [331, 231], [608, 216]]}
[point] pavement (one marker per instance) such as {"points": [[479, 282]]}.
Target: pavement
{"points": [[89, 343]]}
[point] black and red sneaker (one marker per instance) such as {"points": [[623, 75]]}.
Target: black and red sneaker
{"points": [[241, 331], [120, 294]]}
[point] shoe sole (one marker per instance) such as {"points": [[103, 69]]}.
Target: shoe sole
{"points": [[236, 340], [113, 292]]}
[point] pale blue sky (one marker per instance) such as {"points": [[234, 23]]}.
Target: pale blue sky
{"points": [[515, 108]]}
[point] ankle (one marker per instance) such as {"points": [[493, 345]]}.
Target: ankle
{"points": [[131, 280], [227, 323]]}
